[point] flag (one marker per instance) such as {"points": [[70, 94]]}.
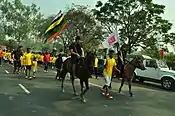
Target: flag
{"points": [[55, 28], [111, 40]]}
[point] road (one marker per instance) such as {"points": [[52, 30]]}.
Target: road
{"points": [[46, 99]]}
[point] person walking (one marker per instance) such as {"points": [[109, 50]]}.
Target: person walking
{"points": [[1, 56], [16, 55], [96, 66], [46, 61], [28, 57], [108, 69]]}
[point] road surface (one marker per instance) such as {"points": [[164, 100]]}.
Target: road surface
{"points": [[43, 97]]}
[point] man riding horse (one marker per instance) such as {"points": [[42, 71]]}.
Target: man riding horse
{"points": [[77, 51]]}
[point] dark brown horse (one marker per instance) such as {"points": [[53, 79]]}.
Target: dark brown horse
{"points": [[84, 70], [129, 72]]}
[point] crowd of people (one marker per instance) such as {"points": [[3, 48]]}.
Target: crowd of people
{"points": [[27, 61]]}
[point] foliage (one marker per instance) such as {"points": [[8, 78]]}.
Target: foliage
{"points": [[19, 21], [139, 21]]}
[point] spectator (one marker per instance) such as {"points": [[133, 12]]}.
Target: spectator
{"points": [[46, 61], [1, 56], [96, 67], [17, 55]]}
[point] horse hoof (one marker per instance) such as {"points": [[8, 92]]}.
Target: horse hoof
{"points": [[83, 101], [131, 95], [63, 90], [76, 94]]}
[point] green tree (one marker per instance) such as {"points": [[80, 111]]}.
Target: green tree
{"points": [[139, 21], [20, 21]]}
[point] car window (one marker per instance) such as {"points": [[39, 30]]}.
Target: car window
{"points": [[151, 63]]}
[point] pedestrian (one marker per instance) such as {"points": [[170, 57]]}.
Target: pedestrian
{"points": [[58, 65], [28, 57], [59, 62], [22, 64], [16, 55], [34, 66], [46, 61], [1, 56], [96, 66], [108, 69]]}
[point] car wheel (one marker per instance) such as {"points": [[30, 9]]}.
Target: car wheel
{"points": [[168, 83], [141, 80]]}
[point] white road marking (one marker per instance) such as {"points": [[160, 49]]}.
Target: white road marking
{"points": [[95, 85], [7, 71], [25, 90]]}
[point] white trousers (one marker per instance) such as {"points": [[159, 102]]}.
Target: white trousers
{"points": [[107, 80]]}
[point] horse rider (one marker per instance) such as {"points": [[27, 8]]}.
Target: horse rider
{"points": [[121, 58], [77, 51]]}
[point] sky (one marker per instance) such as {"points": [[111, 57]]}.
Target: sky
{"points": [[50, 7]]}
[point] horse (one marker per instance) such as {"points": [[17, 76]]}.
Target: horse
{"points": [[84, 70], [128, 73]]}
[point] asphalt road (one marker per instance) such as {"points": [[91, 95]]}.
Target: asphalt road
{"points": [[46, 99]]}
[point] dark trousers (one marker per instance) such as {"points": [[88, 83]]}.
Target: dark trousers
{"points": [[46, 66], [96, 72]]}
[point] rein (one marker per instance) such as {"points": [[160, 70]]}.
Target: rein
{"points": [[130, 62]]}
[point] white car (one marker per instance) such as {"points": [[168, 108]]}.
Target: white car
{"points": [[156, 71]]}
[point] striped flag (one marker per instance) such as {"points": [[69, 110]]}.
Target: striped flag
{"points": [[57, 25]]}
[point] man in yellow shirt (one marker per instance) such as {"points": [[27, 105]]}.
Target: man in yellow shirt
{"points": [[28, 57], [96, 66], [108, 69]]}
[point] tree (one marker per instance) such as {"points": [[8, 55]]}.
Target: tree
{"points": [[139, 21], [81, 22], [20, 21]]}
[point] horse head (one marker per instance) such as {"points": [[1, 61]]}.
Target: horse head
{"points": [[138, 63], [89, 61]]}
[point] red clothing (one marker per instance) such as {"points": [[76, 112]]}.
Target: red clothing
{"points": [[1, 53], [46, 57]]}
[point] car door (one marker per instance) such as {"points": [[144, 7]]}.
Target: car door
{"points": [[151, 71]]}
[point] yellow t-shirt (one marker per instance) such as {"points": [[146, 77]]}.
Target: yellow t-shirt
{"points": [[51, 60], [35, 65], [104, 61], [54, 59], [28, 59], [4, 54], [109, 66], [41, 58], [22, 60], [96, 62]]}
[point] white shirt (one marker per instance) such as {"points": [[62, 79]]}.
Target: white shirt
{"points": [[64, 58]]}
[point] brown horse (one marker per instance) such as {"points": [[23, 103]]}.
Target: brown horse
{"points": [[84, 70], [129, 72]]}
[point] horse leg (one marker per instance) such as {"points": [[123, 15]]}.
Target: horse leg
{"points": [[129, 85], [82, 88], [122, 83], [62, 77], [84, 91], [72, 79]]}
